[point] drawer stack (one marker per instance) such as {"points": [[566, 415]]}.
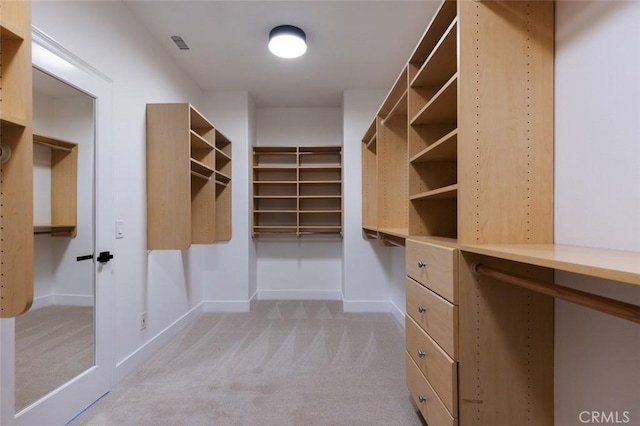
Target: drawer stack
{"points": [[432, 330]]}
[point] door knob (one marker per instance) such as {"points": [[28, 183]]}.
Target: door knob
{"points": [[104, 257]]}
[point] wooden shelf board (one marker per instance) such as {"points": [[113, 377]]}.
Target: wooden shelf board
{"points": [[320, 197], [325, 149], [274, 150], [370, 134], [319, 211], [275, 226], [199, 142], [198, 121], [444, 241], [198, 167], [275, 211], [53, 143], [320, 168], [442, 62], [399, 109], [275, 197], [8, 31], [276, 168], [7, 119], [623, 266], [320, 181], [395, 232], [275, 182], [444, 149], [438, 25], [442, 108], [372, 142], [445, 192], [222, 176], [397, 92], [53, 229]]}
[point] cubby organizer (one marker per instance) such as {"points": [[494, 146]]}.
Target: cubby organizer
{"points": [[16, 174], [188, 178], [297, 190]]}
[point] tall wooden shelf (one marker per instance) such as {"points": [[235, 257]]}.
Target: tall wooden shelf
{"points": [[297, 191], [64, 187], [16, 174], [473, 149], [188, 179], [384, 171]]}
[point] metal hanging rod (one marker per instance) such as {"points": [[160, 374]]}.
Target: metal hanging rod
{"points": [[603, 304]]}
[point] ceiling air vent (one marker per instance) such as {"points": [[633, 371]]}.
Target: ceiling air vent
{"points": [[180, 43]]}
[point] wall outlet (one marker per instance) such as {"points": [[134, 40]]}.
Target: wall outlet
{"points": [[143, 321]]}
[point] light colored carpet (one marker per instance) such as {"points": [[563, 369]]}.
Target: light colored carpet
{"points": [[285, 363], [53, 345]]}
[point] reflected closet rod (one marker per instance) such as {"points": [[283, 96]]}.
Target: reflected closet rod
{"points": [[603, 304]]}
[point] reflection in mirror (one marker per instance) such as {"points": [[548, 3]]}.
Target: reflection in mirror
{"points": [[55, 338]]}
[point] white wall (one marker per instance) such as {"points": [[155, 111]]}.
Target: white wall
{"points": [[307, 267], [597, 193], [227, 267], [106, 36]]}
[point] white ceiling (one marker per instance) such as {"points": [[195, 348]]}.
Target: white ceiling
{"points": [[351, 45]]}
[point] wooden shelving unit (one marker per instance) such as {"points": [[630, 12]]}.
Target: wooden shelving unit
{"points": [[384, 169], [477, 140], [64, 187], [16, 174], [297, 191], [188, 179]]}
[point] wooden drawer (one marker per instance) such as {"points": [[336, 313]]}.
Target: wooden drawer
{"points": [[436, 267], [426, 399], [436, 316], [437, 367]]}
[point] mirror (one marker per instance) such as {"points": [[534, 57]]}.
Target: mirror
{"points": [[55, 339]]}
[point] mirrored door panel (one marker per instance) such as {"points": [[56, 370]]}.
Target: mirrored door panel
{"points": [[55, 339]]}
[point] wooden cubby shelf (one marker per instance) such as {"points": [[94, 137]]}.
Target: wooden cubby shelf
{"points": [[64, 187], [16, 174], [297, 190], [188, 179]]}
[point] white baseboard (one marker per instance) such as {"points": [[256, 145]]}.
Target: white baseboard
{"points": [[397, 313], [299, 295], [73, 300], [62, 299], [144, 352], [42, 301], [366, 306], [226, 305], [374, 306]]}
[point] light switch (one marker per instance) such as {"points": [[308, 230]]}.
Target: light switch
{"points": [[119, 229]]}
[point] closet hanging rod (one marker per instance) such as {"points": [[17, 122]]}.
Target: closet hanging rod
{"points": [[603, 304], [392, 242]]}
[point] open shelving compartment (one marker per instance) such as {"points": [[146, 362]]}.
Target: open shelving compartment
{"points": [[297, 191], [64, 187], [433, 134]]}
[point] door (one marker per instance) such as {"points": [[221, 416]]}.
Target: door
{"points": [[60, 351]]}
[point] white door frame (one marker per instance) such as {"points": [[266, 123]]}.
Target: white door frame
{"points": [[62, 404]]}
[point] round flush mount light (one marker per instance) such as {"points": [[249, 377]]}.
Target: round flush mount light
{"points": [[287, 41]]}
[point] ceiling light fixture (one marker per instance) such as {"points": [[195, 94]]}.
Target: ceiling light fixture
{"points": [[287, 41]]}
